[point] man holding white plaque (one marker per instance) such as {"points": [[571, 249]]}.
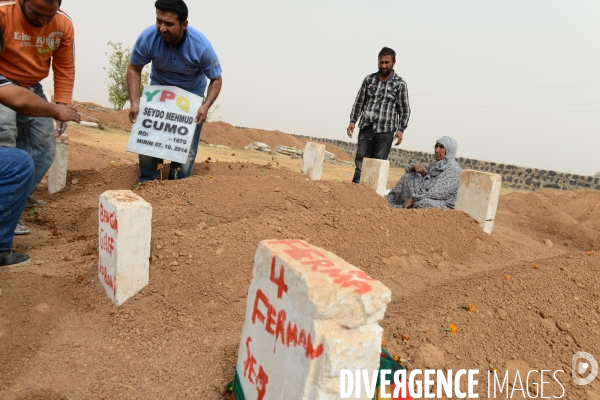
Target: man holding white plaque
{"points": [[182, 58]]}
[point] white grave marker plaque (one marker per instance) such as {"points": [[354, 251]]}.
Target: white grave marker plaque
{"points": [[309, 314], [57, 174], [313, 157], [374, 173], [124, 229], [165, 124], [478, 195]]}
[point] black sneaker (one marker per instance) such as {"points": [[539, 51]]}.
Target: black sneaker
{"points": [[11, 258]]}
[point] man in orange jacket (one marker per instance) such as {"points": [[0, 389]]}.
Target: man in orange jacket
{"points": [[16, 168], [37, 35]]}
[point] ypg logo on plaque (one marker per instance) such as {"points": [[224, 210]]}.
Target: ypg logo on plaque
{"points": [[166, 124]]}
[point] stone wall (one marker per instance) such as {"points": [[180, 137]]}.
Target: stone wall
{"points": [[512, 176]]}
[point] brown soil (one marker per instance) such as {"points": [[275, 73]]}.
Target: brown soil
{"points": [[108, 119], [87, 157], [61, 337], [212, 132], [228, 135]]}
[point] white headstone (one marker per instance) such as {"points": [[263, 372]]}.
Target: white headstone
{"points": [[165, 123], [314, 155], [309, 315], [374, 173], [125, 224], [478, 195], [57, 174]]}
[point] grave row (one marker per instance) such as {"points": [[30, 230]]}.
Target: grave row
{"points": [[307, 308], [478, 192]]}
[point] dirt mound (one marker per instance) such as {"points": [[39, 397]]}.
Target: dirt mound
{"points": [[566, 218], [179, 337], [212, 132], [106, 117], [228, 135], [82, 157]]}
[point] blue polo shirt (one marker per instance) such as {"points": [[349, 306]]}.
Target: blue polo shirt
{"points": [[186, 66]]}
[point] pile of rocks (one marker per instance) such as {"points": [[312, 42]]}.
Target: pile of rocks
{"points": [[260, 146], [293, 152], [289, 151]]}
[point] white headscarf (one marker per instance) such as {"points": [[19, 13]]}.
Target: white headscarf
{"points": [[440, 166]]}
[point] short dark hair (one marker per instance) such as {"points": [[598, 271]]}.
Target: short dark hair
{"points": [[386, 51], [177, 7]]}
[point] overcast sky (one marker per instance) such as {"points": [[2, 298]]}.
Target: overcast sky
{"points": [[513, 81]]}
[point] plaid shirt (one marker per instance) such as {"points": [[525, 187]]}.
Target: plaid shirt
{"points": [[382, 104]]}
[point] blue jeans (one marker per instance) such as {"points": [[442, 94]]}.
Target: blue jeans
{"points": [[16, 175], [149, 165], [371, 145], [32, 134]]}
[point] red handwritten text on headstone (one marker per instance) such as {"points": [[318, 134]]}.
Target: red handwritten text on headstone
{"points": [[108, 218], [318, 262], [275, 324], [259, 381]]}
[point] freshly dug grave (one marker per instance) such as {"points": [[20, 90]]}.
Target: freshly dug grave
{"points": [[61, 338]]}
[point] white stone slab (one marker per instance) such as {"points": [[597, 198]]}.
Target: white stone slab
{"points": [[374, 173], [57, 174], [90, 124], [309, 314], [313, 157], [125, 224], [478, 195]]}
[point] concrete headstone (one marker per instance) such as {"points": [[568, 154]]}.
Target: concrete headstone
{"points": [[313, 157], [125, 224], [57, 174], [309, 315], [478, 195], [374, 173]]}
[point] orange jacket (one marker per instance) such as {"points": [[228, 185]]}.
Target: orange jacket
{"points": [[30, 50]]}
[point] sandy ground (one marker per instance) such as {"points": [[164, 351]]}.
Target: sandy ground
{"points": [[116, 141], [61, 338]]}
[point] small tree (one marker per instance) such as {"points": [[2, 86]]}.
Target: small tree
{"points": [[597, 174], [118, 61]]}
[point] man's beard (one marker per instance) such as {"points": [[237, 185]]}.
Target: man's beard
{"points": [[386, 73], [34, 23], [169, 39]]}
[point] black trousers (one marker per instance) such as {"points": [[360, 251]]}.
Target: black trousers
{"points": [[371, 145]]}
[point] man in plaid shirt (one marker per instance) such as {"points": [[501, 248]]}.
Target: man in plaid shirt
{"points": [[382, 106]]}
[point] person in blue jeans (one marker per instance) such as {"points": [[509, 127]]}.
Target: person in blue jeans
{"points": [[383, 110], [17, 167], [16, 177], [181, 56]]}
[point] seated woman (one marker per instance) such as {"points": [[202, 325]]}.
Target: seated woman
{"points": [[431, 186]]}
